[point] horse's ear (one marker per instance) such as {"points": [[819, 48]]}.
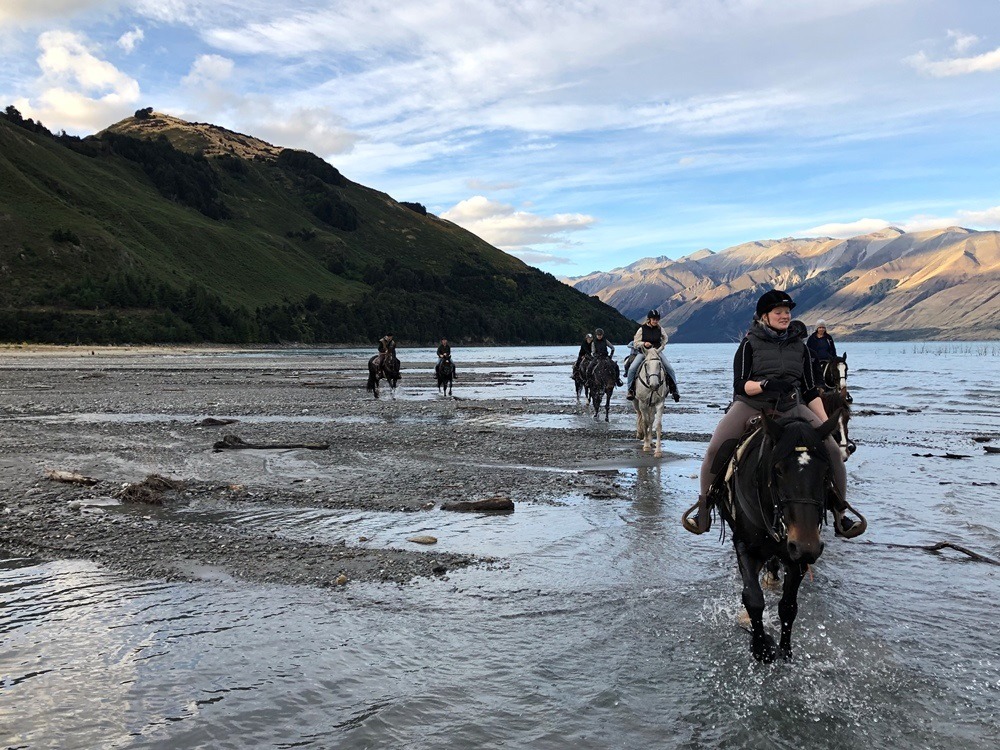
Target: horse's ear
{"points": [[771, 428], [827, 428], [844, 356]]}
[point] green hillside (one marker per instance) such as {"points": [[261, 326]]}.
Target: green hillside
{"points": [[123, 237]]}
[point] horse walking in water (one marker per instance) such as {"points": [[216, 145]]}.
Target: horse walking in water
{"points": [[445, 373], [580, 378], [651, 385], [602, 382], [836, 398], [773, 496], [383, 366]]}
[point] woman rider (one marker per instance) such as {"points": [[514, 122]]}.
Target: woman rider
{"points": [[650, 336], [771, 369], [823, 349]]}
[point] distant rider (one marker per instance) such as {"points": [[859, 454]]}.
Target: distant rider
{"points": [[601, 348], [650, 336], [771, 370], [444, 353], [822, 348]]}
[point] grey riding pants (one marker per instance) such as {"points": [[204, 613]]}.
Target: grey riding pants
{"points": [[733, 425]]}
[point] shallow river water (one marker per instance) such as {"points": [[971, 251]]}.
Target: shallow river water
{"points": [[604, 625]]}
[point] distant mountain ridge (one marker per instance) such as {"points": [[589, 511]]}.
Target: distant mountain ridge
{"points": [[161, 230], [888, 284]]}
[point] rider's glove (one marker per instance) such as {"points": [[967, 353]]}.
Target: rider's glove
{"points": [[777, 387]]}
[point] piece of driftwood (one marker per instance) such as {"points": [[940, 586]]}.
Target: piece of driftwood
{"points": [[150, 491], [57, 475], [991, 449], [216, 422], [489, 505], [935, 548], [232, 442], [941, 455], [982, 439]]}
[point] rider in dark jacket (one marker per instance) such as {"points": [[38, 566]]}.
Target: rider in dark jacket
{"points": [[444, 352], [822, 348], [601, 348]]}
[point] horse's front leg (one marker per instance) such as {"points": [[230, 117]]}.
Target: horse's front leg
{"points": [[761, 644], [788, 607], [607, 406], [659, 432]]}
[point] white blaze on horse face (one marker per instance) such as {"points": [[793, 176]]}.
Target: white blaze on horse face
{"points": [[842, 372], [804, 459]]}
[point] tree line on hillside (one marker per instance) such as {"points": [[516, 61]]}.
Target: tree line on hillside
{"points": [[122, 308]]}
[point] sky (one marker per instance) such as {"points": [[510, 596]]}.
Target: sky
{"points": [[578, 135]]}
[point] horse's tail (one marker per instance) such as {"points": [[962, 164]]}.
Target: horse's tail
{"points": [[372, 377]]}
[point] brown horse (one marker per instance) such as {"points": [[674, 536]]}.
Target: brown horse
{"points": [[383, 366], [836, 398], [444, 371]]}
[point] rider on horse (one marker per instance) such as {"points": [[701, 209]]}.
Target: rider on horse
{"points": [[772, 370], [386, 349], [584, 354], [650, 336], [822, 348], [444, 353], [601, 348]]}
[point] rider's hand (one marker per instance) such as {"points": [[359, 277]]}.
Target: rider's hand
{"points": [[647, 345], [776, 387]]}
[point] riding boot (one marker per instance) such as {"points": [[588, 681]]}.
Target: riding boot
{"points": [[630, 396], [702, 520]]}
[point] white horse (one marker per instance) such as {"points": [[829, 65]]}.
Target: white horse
{"points": [[650, 391]]}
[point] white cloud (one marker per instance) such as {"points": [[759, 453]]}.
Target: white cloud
{"points": [[482, 186], [961, 42], [845, 230], [78, 90], [988, 218], [130, 39], [956, 66], [509, 229], [209, 70]]}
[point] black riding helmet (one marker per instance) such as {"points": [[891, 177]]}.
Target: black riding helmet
{"points": [[598, 331], [655, 314], [772, 299]]}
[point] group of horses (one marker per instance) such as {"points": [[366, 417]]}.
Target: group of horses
{"points": [[596, 379], [385, 366]]}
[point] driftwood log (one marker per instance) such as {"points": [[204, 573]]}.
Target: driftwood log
{"points": [[935, 548], [71, 477], [216, 422], [489, 505], [232, 442]]}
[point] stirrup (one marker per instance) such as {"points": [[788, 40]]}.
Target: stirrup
{"points": [[699, 524]]}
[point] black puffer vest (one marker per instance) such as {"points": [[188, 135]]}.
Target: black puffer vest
{"points": [[775, 358]]}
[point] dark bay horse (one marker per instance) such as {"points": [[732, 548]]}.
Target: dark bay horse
{"points": [[384, 365], [580, 378], [601, 383], [773, 496], [444, 371], [832, 383]]}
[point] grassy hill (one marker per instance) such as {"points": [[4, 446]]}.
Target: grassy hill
{"points": [[157, 230]]}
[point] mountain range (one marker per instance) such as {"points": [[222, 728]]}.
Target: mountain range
{"points": [[162, 230], [889, 285]]}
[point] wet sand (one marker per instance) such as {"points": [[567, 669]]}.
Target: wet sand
{"points": [[122, 414]]}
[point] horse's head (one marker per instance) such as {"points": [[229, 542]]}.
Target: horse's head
{"points": [[798, 476], [841, 365]]}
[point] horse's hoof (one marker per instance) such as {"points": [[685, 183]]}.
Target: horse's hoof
{"points": [[764, 650], [657, 454], [770, 581]]}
